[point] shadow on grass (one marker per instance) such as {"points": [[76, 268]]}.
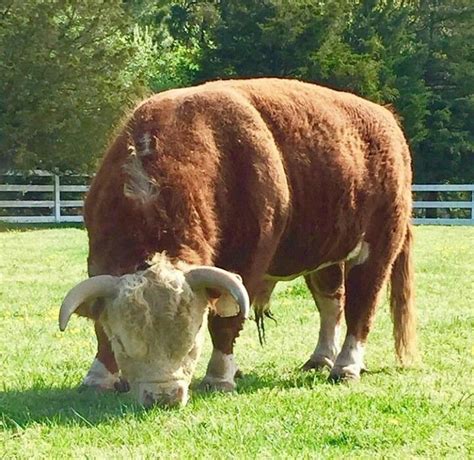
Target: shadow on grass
{"points": [[297, 379], [254, 381], [64, 406], [87, 407]]}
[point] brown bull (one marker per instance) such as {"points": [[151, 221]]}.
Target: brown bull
{"points": [[268, 179]]}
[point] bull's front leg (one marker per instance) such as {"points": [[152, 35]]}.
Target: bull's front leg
{"points": [[104, 372], [222, 368]]}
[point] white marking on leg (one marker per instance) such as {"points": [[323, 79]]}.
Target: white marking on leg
{"points": [[220, 371], [329, 330], [100, 376], [350, 360]]}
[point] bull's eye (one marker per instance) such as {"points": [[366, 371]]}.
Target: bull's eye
{"points": [[118, 343], [143, 266]]}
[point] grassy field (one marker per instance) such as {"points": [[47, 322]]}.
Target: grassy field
{"points": [[422, 412]]}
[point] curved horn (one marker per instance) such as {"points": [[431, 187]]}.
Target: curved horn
{"points": [[217, 278], [97, 286]]}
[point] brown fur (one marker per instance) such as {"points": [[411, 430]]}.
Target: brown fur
{"points": [[104, 351], [401, 302], [329, 281], [259, 177]]}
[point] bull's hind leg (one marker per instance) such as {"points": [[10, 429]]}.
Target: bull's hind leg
{"points": [[104, 372], [327, 288], [222, 368], [364, 284]]}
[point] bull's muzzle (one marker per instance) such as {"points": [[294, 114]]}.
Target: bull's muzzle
{"points": [[174, 394]]}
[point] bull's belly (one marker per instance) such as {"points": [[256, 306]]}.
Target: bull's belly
{"points": [[291, 267]]}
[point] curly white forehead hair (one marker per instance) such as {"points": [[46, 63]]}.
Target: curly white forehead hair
{"points": [[161, 283]]}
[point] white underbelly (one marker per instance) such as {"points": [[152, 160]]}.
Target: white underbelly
{"points": [[358, 256]]}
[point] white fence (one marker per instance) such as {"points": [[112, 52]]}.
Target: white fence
{"points": [[19, 202], [42, 203], [466, 204]]}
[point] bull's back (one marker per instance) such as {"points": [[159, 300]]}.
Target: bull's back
{"points": [[345, 159]]}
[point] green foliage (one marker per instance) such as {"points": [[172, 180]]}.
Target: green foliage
{"points": [[447, 30], [175, 66], [68, 70], [169, 37], [278, 412], [65, 78]]}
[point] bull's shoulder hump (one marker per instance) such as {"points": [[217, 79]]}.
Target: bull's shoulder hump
{"points": [[198, 98], [254, 92], [237, 90]]}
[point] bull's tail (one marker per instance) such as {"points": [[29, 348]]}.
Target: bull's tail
{"points": [[402, 305]]}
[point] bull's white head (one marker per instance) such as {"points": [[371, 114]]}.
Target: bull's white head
{"points": [[155, 320]]}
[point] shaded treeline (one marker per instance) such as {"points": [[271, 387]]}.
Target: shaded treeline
{"points": [[69, 70]]}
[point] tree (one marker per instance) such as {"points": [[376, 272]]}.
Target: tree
{"points": [[447, 151], [174, 32], [68, 71], [416, 56], [305, 39]]}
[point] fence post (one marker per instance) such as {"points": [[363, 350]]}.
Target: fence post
{"points": [[472, 204], [57, 199]]}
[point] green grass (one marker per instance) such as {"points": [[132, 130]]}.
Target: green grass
{"points": [[422, 412]]}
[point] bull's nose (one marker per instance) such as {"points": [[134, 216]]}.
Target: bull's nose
{"points": [[175, 398]]}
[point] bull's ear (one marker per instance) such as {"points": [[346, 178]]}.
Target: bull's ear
{"points": [[223, 304], [226, 306], [95, 308], [234, 298]]}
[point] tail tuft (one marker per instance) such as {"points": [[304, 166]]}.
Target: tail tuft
{"points": [[402, 305]]}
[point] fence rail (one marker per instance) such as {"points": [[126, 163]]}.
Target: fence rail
{"points": [[27, 203], [16, 199], [451, 206]]}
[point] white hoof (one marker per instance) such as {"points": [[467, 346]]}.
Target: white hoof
{"points": [[344, 373], [350, 361], [318, 363], [221, 372], [223, 386]]}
